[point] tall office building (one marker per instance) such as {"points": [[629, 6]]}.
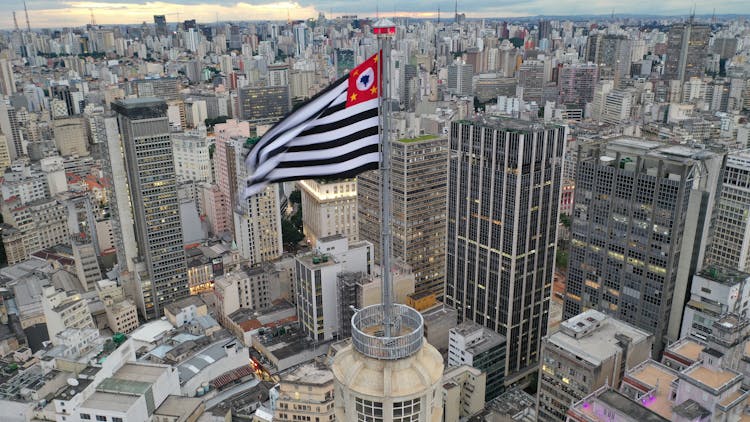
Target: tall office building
{"points": [[460, 76], [577, 83], [614, 52], [531, 80], [419, 180], [7, 79], [640, 227], [687, 45], [264, 104], [160, 24], [730, 243], [144, 130], [10, 127], [329, 207], [503, 196]]}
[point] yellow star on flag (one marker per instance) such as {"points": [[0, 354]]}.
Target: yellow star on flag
{"points": [[353, 97], [375, 58], [374, 89], [356, 73]]}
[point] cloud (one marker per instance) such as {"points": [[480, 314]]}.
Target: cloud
{"points": [[52, 13]]}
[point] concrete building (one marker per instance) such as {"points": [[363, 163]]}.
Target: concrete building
{"points": [[646, 193], [576, 84], [182, 311], [316, 283], [460, 77], [388, 379], [730, 243], [305, 392], [463, 392], [226, 173], [714, 291], [155, 206], [471, 344], [419, 180], [264, 104], [33, 227], [496, 190], [191, 156], [329, 207], [70, 136], [87, 264], [686, 50], [63, 311], [257, 219], [590, 350]]}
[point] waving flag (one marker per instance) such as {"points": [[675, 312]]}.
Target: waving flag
{"points": [[335, 134]]}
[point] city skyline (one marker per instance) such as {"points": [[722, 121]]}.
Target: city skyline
{"points": [[52, 14]]}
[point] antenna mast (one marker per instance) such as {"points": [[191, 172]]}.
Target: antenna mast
{"points": [[28, 25], [15, 21]]}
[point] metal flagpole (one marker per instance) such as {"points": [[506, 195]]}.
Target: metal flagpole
{"points": [[385, 29]]}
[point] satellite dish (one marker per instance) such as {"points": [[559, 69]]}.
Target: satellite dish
{"points": [[72, 382]]}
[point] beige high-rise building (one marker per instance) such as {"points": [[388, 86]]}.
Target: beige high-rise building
{"points": [[4, 154], [306, 393], [70, 136], [420, 187], [328, 208]]}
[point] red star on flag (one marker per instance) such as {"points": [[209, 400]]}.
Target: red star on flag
{"points": [[363, 82]]}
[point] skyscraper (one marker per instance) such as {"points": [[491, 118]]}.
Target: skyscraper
{"points": [[503, 196], [419, 180], [730, 243], [264, 104], [160, 24], [460, 77], [144, 130], [640, 226], [329, 207], [686, 48], [577, 83]]}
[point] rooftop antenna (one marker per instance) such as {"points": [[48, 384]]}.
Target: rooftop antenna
{"points": [[456, 15], [15, 21], [438, 16], [26, 10], [93, 21]]}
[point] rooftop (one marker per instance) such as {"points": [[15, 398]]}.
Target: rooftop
{"points": [[507, 123], [110, 402], [714, 378], [724, 275], [687, 348], [594, 337], [621, 403], [177, 406], [655, 376], [175, 307], [418, 139], [309, 374], [512, 402], [691, 410]]}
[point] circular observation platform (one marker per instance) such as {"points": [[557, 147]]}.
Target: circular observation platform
{"points": [[368, 334]]}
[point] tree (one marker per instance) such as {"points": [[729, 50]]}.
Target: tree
{"points": [[565, 220], [289, 232], [517, 42], [295, 197]]}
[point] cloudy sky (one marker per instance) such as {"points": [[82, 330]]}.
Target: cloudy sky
{"points": [[58, 13]]}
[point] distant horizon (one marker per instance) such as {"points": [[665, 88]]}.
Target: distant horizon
{"points": [[52, 14]]}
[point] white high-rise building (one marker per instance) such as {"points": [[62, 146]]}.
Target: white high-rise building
{"points": [[329, 208], [316, 283], [63, 310]]}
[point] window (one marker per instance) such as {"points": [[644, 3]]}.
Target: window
{"points": [[116, 419], [369, 411], [85, 416], [406, 411], [101, 418]]}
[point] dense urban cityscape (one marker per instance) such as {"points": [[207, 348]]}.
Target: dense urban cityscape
{"points": [[568, 198]]}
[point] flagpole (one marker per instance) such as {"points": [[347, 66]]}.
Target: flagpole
{"points": [[385, 29]]}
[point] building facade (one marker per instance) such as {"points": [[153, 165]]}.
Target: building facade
{"points": [[419, 180], [144, 130], [329, 208], [640, 226], [504, 183]]}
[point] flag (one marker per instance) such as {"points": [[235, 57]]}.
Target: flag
{"points": [[335, 134]]}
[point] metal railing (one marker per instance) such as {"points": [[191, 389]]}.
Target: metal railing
{"points": [[407, 332]]}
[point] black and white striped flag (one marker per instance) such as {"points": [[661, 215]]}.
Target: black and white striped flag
{"points": [[335, 134]]}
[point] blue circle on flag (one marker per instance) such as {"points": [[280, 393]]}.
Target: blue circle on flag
{"points": [[366, 79]]}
